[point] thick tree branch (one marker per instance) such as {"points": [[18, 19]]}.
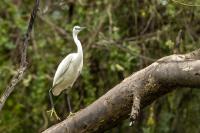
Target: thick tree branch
{"points": [[135, 92], [23, 63]]}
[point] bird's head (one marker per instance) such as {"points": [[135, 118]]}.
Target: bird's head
{"points": [[77, 29]]}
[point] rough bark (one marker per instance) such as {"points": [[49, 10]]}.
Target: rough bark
{"points": [[134, 93]]}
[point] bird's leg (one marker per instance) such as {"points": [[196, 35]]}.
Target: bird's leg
{"points": [[69, 105], [52, 111]]}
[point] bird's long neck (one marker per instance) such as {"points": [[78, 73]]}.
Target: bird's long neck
{"points": [[78, 44]]}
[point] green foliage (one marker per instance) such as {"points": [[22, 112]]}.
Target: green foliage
{"points": [[121, 37]]}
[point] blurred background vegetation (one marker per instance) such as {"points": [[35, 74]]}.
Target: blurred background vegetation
{"points": [[121, 37]]}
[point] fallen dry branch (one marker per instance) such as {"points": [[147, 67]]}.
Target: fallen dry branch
{"points": [[23, 63], [134, 93]]}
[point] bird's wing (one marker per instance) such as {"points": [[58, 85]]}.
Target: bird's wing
{"points": [[62, 68]]}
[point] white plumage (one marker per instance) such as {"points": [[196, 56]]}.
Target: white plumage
{"points": [[70, 67], [67, 73], [68, 70]]}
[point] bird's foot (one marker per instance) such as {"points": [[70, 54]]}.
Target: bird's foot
{"points": [[70, 114], [53, 112]]}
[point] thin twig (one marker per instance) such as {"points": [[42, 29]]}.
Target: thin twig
{"points": [[137, 39], [23, 63], [58, 29], [148, 23], [178, 42], [124, 48], [185, 4]]}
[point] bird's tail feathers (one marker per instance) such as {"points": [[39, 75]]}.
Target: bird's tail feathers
{"points": [[56, 91]]}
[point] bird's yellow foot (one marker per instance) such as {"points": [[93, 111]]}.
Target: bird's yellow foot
{"points": [[70, 114], [53, 112]]}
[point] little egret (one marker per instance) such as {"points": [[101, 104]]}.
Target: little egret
{"points": [[68, 71]]}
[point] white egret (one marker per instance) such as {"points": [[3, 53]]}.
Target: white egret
{"points": [[68, 71]]}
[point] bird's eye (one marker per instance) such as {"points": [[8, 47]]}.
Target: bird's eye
{"points": [[77, 28]]}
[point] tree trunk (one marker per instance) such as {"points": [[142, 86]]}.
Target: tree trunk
{"points": [[134, 93]]}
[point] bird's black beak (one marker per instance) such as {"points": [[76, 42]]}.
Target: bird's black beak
{"points": [[81, 28]]}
